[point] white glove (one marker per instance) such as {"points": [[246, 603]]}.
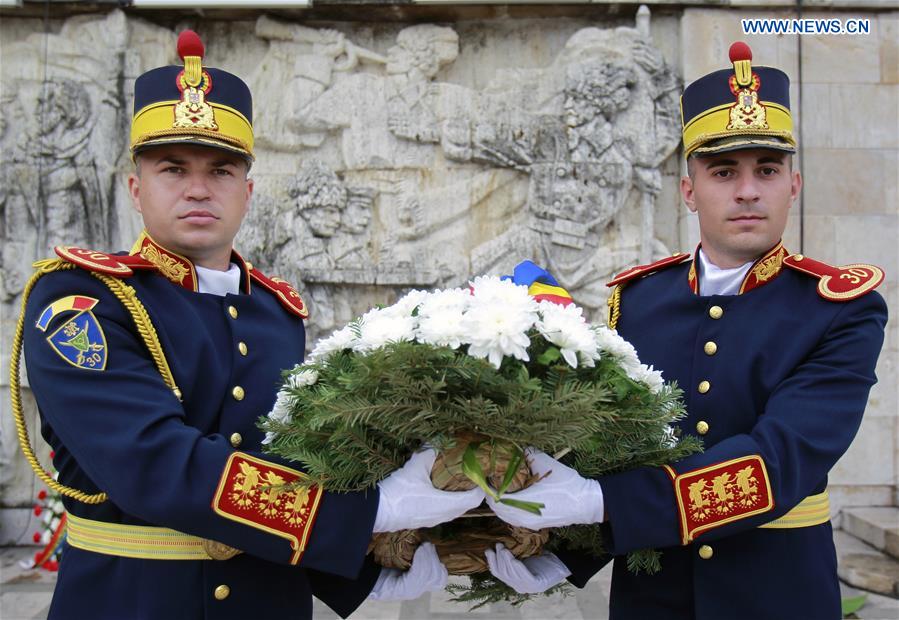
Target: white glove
{"points": [[426, 574], [567, 497], [529, 576], [410, 501]]}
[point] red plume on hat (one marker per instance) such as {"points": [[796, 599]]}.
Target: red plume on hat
{"points": [[191, 49], [738, 51]]}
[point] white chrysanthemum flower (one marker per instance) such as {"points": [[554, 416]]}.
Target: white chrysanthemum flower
{"points": [[280, 412], [493, 290], [624, 352], [669, 440], [380, 327], [498, 319], [281, 409], [610, 342], [495, 331], [648, 376], [565, 327], [301, 377], [406, 304], [338, 341], [440, 318], [454, 298]]}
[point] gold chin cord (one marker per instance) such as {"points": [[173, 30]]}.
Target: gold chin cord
{"points": [[128, 297]]}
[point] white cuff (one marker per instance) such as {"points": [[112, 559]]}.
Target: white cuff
{"points": [[596, 503]]}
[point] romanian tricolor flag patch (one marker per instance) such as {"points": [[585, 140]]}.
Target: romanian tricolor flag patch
{"points": [[80, 341]]}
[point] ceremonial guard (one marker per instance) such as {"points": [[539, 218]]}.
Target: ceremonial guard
{"points": [[775, 353], [150, 369]]}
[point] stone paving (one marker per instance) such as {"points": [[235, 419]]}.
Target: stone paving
{"points": [[25, 595]]}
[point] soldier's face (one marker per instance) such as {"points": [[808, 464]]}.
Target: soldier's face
{"points": [[742, 199], [192, 200]]}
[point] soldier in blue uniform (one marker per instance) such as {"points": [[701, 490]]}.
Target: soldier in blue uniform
{"points": [[150, 369], [775, 353]]}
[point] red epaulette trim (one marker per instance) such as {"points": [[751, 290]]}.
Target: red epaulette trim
{"points": [[254, 492], [92, 260], [119, 265], [285, 293], [838, 283], [719, 494], [643, 270]]}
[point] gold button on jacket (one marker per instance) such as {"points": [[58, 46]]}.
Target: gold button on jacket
{"points": [[702, 427], [222, 592], [237, 393], [710, 348], [716, 312], [242, 347], [704, 386], [706, 552], [236, 439], [232, 311]]}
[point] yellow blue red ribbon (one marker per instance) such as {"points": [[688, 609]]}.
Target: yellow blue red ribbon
{"points": [[542, 286]]}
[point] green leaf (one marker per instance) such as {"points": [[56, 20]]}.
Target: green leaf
{"points": [[472, 469], [549, 356], [512, 468], [853, 604], [533, 507]]}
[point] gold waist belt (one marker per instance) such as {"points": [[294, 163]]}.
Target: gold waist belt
{"points": [[142, 541], [813, 510], [160, 543]]}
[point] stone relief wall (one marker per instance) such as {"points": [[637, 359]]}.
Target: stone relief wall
{"points": [[407, 180]]}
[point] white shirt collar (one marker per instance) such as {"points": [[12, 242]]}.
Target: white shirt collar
{"points": [[217, 282], [716, 281]]}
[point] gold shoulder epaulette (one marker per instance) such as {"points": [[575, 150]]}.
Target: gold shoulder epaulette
{"points": [[92, 260], [838, 283], [285, 293], [643, 270]]}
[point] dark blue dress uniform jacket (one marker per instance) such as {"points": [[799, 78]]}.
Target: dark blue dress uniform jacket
{"points": [[122, 431], [789, 382]]}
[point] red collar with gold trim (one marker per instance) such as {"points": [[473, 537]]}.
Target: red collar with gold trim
{"points": [[180, 269], [765, 269], [173, 266]]}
